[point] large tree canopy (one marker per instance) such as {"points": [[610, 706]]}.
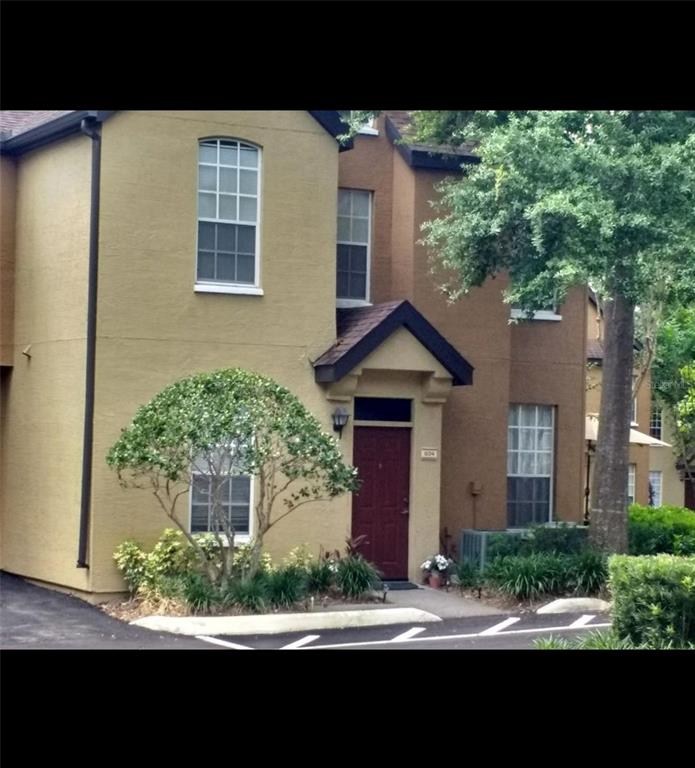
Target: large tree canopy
{"points": [[560, 198], [225, 423]]}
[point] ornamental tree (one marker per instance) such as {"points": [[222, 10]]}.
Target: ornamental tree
{"points": [[673, 384], [230, 422], [605, 198]]}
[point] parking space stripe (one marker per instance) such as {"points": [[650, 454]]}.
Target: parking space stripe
{"points": [[583, 620], [299, 643], [499, 627], [224, 643], [408, 634]]}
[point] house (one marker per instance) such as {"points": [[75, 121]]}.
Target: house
{"points": [[141, 247], [653, 475]]}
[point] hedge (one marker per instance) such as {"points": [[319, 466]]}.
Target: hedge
{"points": [[661, 529]]}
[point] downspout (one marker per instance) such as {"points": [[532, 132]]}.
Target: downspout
{"points": [[90, 127]]}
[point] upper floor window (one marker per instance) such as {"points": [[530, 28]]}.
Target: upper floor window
{"points": [[354, 236], [655, 422], [633, 415], [228, 214], [529, 464]]}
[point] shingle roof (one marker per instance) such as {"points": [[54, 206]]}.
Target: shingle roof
{"points": [[594, 349], [15, 122], [22, 130], [401, 120], [361, 330]]}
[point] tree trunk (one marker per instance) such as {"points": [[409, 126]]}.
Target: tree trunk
{"points": [[608, 530]]}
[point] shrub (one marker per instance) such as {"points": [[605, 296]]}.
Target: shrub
{"points": [[654, 599], [562, 538], [249, 594], [467, 575], [319, 577], [172, 555], [653, 530], [199, 593], [527, 577], [355, 576], [299, 557], [587, 572], [286, 586], [594, 641], [131, 561], [242, 561]]}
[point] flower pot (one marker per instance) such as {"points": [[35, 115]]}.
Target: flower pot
{"points": [[435, 580]]}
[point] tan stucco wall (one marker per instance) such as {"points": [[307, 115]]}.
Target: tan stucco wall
{"points": [[639, 454], [153, 328], [663, 459], [44, 402], [8, 182]]}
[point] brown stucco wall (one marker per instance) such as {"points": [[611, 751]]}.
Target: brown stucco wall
{"points": [[8, 183], [548, 368], [369, 166], [153, 328], [43, 398], [537, 362]]}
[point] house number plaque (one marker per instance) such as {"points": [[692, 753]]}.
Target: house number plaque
{"points": [[429, 454]]}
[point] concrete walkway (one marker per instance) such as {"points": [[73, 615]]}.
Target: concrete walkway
{"points": [[446, 605]]}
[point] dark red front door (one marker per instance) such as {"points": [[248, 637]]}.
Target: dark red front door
{"points": [[380, 508]]}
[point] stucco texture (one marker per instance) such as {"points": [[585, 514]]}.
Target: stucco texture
{"points": [[43, 396]]}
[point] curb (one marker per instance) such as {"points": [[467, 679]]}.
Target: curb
{"points": [[279, 623]]}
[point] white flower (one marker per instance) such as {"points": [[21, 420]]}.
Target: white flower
{"points": [[426, 565]]}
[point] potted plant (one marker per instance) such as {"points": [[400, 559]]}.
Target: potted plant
{"points": [[435, 569]]}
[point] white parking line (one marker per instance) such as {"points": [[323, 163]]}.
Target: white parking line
{"points": [[223, 643], [299, 643], [408, 634], [499, 627], [583, 620], [485, 633]]}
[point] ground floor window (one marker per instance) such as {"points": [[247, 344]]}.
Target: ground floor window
{"points": [[631, 483], [655, 488], [530, 440], [235, 497]]}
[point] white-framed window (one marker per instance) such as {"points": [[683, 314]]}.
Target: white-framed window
{"points": [[213, 477], [530, 460], [540, 314], [229, 193], [633, 415], [655, 488], [353, 247], [655, 422], [631, 471]]}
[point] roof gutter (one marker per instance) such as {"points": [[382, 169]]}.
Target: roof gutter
{"points": [[90, 126]]}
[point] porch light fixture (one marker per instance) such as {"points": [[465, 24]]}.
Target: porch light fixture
{"points": [[340, 418]]}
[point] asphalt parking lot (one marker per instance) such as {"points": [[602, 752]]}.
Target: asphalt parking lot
{"points": [[32, 617]]}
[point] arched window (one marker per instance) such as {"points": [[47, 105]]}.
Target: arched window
{"points": [[228, 216]]}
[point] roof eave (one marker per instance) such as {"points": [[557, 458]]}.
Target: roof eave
{"points": [[405, 315], [63, 126], [330, 121], [421, 158]]}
